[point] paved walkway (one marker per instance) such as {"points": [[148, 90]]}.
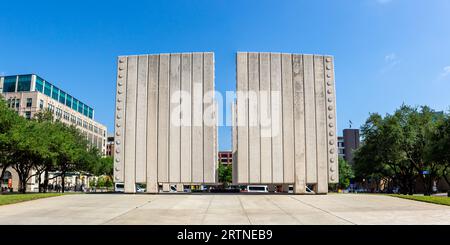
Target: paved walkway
{"points": [[224, 209]]}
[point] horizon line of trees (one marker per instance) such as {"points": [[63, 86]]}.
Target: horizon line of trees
{"points": [[411, 144], [37, 146]]}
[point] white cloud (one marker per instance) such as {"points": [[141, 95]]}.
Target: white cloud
{"points": [[390, 60], [445, 73], [390, 57]]}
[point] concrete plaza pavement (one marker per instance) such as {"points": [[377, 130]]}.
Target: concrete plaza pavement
{"points": [[165, 209]]}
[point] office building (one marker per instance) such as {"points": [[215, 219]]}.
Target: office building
{"points": [[284, 130], [110, 146], [225, 157], [348, 143], [29, 94]]}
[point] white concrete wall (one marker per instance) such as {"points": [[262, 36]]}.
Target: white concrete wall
{"points": [[301, 149], [162, 138]]}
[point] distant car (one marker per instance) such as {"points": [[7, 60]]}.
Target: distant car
{"points": [[257, 188], [119, 187], [308, 190], [140, 188]]}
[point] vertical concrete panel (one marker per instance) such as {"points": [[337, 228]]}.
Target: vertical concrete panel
{"points": [[310, 120], [174, 124], [130, 122], [265, 118], [119, 155], [254, 136], [299, 124], [209, 129], [186, 72], [333, 174], [288, 119], [152, 124], [141, 120], [242, 117], [277, 119], [234, 144], [321, 130], [197, 118], [163, 119]]}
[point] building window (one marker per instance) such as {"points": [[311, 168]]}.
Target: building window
{"points": [[62, 97], [51, 108], [41, 104], [9, 84], [75, 104], [73, 119], [80, 107], [58, 112], [28, 114], [39, 84], [24, 83], [17, 103], [29, 102], [48, 89], [85, 124], [66, 116], [69, 101], [90, 127], [55, 93]]}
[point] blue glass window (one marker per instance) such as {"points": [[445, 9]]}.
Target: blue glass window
{"points": [[39, 84], [69, 101], [90, 112], [55, 93], [85, 110], [24, 83], [48, 89], [80, 107], [75, 104], [9, 84], [62, 97]]}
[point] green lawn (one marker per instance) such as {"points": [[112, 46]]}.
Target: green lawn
{"points": [[15, 198], [443, 200]]}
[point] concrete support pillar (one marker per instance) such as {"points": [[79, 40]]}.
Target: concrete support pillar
{"points": [[180, 188], [166, 187], [299, 188], [152, 187]]}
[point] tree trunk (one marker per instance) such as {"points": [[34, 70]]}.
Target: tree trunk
{"points": [[39, 183], [45, 185], [63, 177]]}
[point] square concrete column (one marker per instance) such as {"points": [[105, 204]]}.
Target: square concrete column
{"points": [[166, 187], [152, 187]]}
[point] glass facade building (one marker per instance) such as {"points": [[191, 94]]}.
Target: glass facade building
{"points": [[31, 82]]}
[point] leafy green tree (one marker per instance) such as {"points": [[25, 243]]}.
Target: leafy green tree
{"points": [[439, 148], [345, 174], [225, 173], [8, 119], [70, 148], [396, 147]]}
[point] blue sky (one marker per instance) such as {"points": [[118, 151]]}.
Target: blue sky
{"points": [[386, 51]]}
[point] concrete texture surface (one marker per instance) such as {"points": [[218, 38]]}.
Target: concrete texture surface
{"points": [[165, 120], [285, 120], [223, 209]]}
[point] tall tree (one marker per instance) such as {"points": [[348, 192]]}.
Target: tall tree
{"points": [[438, 150], [345, 173]]}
